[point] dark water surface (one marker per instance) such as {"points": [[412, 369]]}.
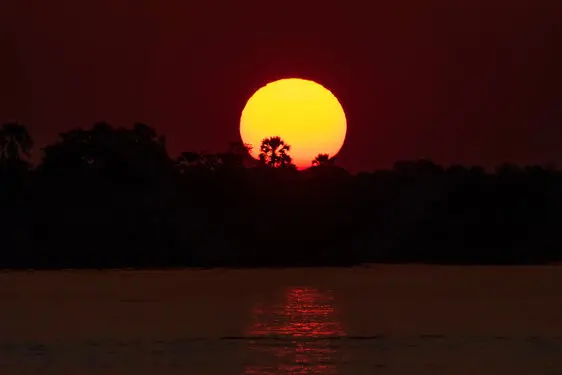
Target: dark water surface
{"points": [[380, 319]]}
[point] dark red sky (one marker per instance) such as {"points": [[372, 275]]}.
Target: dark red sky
{"points": [[469, 81]]}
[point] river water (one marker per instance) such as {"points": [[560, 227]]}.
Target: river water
{"points": [[379, 319]]}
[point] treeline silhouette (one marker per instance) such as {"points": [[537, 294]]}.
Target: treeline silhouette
{"points": [[113, 197]]}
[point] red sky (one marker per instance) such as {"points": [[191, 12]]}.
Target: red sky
{"points": [[473, 82]]}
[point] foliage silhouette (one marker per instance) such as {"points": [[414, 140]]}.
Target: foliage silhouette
{"points": [[275, 153], [323, 160], [15, 142], [235, 158], [15, 148], [112, 197], [124, 155]]}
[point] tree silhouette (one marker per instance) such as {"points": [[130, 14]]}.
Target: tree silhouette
{"points": [[234, 158], [15, 142], [274, 153], [239, 148], [237, 156], [116, 153], [190, 161], [186, 161], [323, 160]]}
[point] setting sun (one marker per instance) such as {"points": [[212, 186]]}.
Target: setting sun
{"points": [[303, 113]]}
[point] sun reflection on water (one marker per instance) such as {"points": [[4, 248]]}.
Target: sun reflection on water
{"points": [[298, 336]]}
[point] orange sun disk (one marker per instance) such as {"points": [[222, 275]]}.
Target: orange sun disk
{"points": [[306, 115]]}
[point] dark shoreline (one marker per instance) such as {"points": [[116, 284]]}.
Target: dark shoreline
{"points": [[285, 267]]}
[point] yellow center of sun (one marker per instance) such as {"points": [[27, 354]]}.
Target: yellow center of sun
{"points": [[303, 113]]}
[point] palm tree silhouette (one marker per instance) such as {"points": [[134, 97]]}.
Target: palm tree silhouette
{"points": [[323, 160], [15, 142], [274, 153]]}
